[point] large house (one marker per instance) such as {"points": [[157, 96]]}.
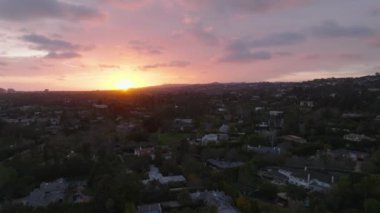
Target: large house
{"points": [[221, 164], [220, 200], [56, 192], [306, 178], [347, 154], [210, 138], [309, 179], [357, 138], [264, 149], [145, 152], [155, 175]]}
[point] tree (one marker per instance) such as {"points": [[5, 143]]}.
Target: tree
{"points": [[130, 208], [268, 191], [184, 198], [246, 206], [371, 206]]}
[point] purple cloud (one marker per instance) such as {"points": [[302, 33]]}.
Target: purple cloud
{"points": [[25, 10], [241, 50], [257, 6], [62, 55], [172, 64], [246, 56], [331, 29], [143, 47], [56, 48]]}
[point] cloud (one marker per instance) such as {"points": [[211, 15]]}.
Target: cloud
{"points": [[375, 12], [109, 66], [245, 55], [62, 55], [242, 50], [131, 4], [3, 64], [279, 39], [172, 64], [374, 41], [257, 6], [44, 43], [143, 47], [195, 30], [26, 10], [330, 29], [334, 56], [56, 48]]}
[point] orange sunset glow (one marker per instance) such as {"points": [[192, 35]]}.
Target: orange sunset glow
{"points": [[119, 44]]}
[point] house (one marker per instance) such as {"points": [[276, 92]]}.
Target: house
{"points": [[149, 208], [220, 164], [219, 199], [183, 124], [259, 109], [155, 175], [264, 149], [273, 175], [145, 152], [307, 104], [357, 138], [352, 115], [210, 138], [293, 139], [47, 193], [347, 154], [224, 129], [262, 126], [309, 179]]}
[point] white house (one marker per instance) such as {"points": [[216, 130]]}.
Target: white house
{"points": [[357, 138], [155, 174], [210, 138], [308, 179]]}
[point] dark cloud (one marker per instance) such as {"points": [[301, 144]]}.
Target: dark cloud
{"points": [[198, 32], [41, 42], [62, 55], [173, 64], [25, 10], [127, 3], [143, 47], [280, 39], [56, 48], [3, 64], [283, 54], [242, 50], [331, 29], [375, 12], [339, 56], [257, 6], [203, 35], [245, 55], [375, 41]]}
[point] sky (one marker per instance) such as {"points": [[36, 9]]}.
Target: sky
{"points": [[111, 44]]}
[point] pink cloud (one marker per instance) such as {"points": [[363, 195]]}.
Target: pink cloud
{"points": [[374, 41]]}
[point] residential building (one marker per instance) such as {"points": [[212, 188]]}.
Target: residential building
{"points": [[219, 199]]}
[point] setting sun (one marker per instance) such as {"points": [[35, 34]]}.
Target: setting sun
{"points": [[124, 85]]}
